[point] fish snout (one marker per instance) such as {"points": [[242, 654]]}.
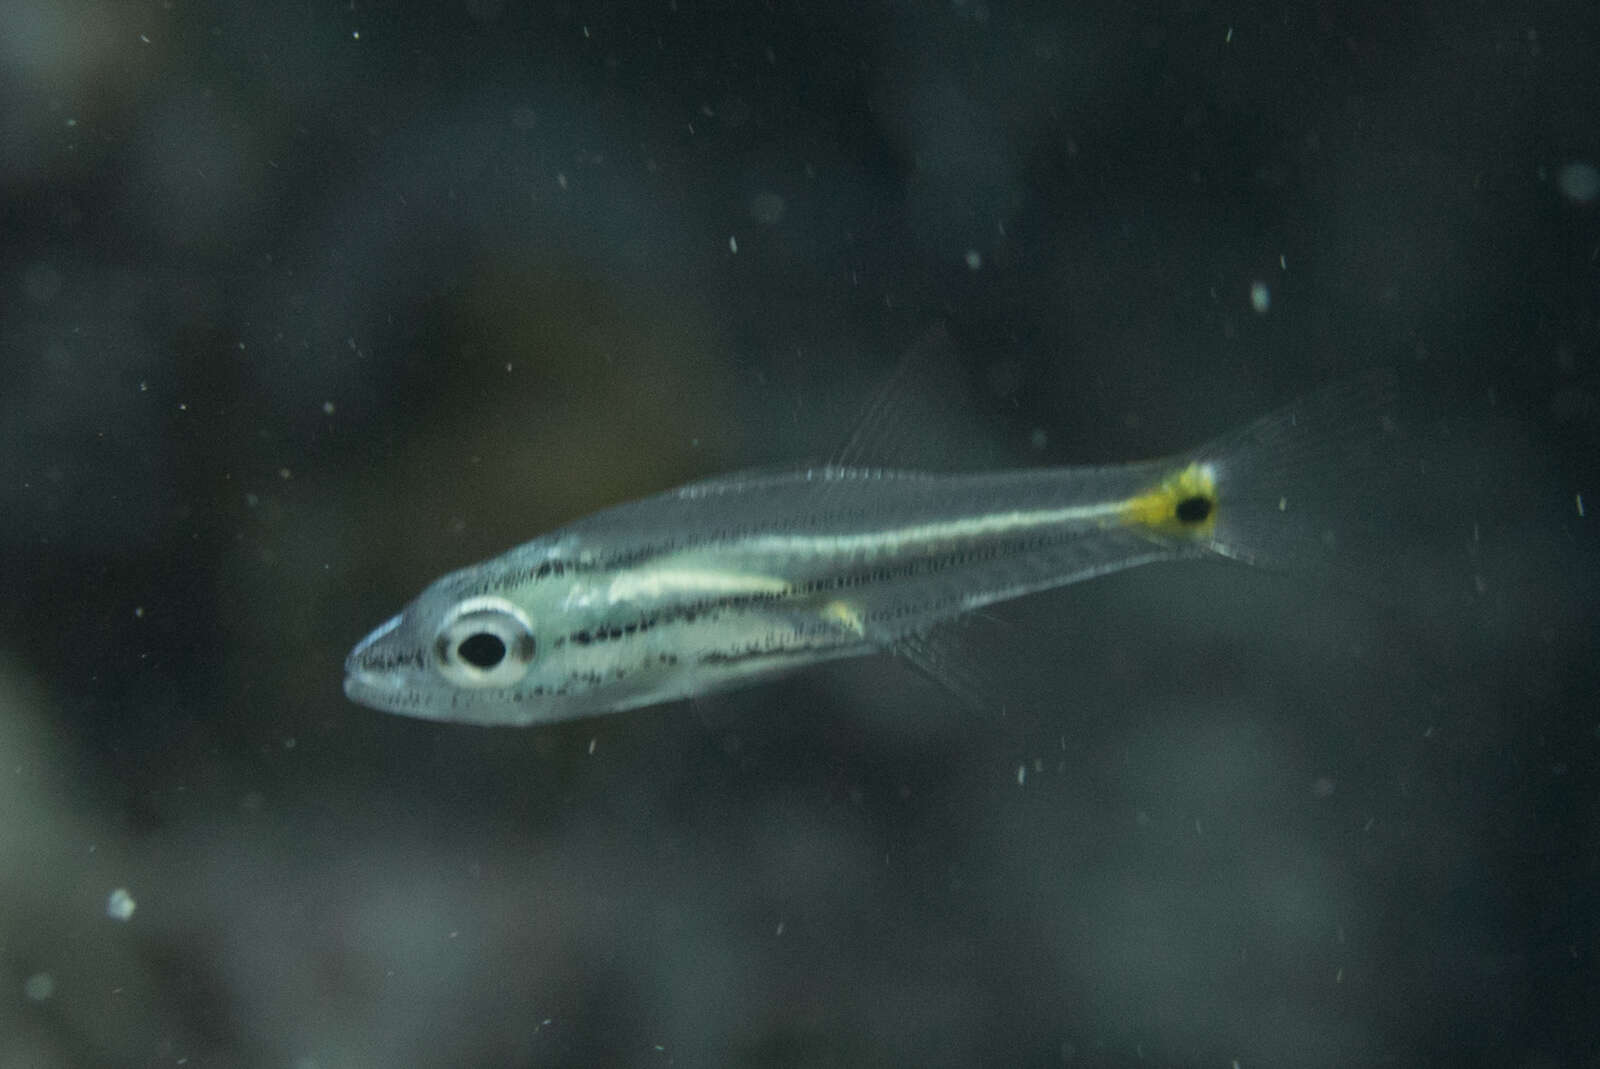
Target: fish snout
{"points": [[377, 673]]}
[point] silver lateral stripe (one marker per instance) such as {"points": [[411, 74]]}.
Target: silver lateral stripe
{"points": [[970, 527], [658, 582]]}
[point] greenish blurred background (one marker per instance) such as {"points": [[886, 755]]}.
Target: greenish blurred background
{"points": [[302, 305]]}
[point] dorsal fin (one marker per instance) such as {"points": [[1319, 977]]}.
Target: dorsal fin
{"points": [[920, 418]]}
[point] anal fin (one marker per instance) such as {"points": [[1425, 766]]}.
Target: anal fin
{"points": [[942, 655]]}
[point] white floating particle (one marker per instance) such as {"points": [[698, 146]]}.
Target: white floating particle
{"points": [[1022, 775], [561, 179], [120, 905], [974, 259], [138, 612], [1228, 40], [767, 208], [1283, 262], [780, 928], [356, 34], [1580, 182], [1283, 504], [1579, 499], [591, 744], [144, 39], [39, 986], [733, 244], [1260, 297]]}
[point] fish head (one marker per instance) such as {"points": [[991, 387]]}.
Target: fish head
{"points": [[467, 650]]}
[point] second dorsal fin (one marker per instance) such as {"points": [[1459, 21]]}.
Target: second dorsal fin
{"points": [[921, 417]]}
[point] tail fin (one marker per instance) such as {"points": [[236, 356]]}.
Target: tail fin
{"points": [[1304, 485]]}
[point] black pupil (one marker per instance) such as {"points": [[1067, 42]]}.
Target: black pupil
{"points": [[482, 650], [1194, 509]]}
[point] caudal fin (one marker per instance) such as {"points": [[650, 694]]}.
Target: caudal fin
{"points": [[1306, 485]]}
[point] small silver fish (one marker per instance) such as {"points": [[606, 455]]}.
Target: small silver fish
{"points": [[737, 579]]}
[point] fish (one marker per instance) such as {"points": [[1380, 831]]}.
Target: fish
{"points": [[734, 580]]}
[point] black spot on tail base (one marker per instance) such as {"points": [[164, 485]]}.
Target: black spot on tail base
{"points": [[1193, 510]]}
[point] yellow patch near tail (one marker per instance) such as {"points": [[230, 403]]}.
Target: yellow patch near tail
{"points": [[1185, 502]]}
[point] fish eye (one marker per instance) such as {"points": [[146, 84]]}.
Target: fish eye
{"points": [[484, 642], [483, 650]]}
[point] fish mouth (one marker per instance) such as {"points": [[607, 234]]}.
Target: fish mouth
{"points": [[379, 633], [374, 680]]}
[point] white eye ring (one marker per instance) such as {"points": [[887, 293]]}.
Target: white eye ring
{"points": [[484, 642]]}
